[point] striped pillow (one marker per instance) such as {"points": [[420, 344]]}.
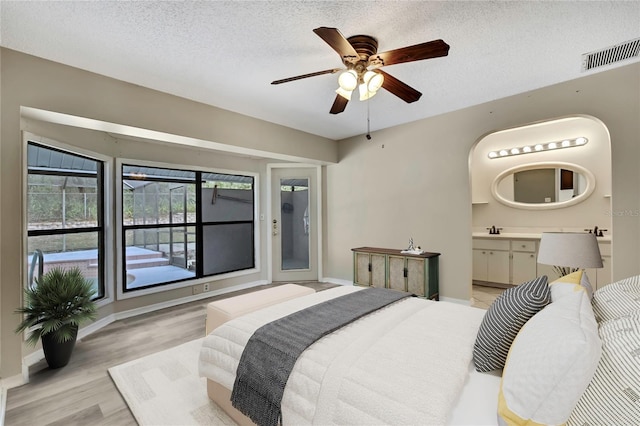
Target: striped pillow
{"points": [[504, 319], [613, 396], [617, 299]]}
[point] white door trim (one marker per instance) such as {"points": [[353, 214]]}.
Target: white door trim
{"points": [[270, 167]]}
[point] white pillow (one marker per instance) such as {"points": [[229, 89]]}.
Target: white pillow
{"points": [[550, 363]]}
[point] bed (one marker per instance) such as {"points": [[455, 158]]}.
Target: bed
{"points": [[416, 361]]}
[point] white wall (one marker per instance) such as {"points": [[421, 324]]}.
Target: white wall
{"points": [[595, 156]]}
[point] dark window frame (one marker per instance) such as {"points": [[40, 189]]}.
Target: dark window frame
{"points": [[100, 202], [199, 224]]}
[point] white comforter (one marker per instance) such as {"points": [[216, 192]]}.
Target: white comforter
{"points": [[404, 364]]}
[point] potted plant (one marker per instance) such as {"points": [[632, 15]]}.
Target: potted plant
{"points": [[53, 309]]}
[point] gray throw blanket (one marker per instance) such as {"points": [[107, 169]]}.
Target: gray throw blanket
{"points": [[272, 351]]}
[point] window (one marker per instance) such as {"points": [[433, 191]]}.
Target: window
{"points": [[65, 198], [180, 224]]}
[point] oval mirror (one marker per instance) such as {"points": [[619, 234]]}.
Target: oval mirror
{"points": [[538, 186]]}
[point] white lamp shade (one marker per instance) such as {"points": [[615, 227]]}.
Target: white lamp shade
{"points": [[344, 93], [570, 249], [364, 93], [371, 82], [348, 80]]}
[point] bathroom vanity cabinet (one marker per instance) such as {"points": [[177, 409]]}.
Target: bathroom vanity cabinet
{"points": [[501, 261], [523, 261], [389, 268], [491, 261]]}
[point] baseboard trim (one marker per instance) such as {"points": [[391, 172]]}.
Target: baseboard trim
{"points": [[3, 404], [11, 382], [33, 358], [454, 300], [337, 281], [95, 326]]}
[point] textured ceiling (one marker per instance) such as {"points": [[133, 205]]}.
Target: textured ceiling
{"points": [[226, 53]]}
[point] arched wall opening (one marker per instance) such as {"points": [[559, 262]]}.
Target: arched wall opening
{"points": [[581, 202]]}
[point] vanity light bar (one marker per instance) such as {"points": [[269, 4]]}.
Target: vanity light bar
{"points": [[566, 143]]}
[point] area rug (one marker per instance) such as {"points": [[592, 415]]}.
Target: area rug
{"points": [[164, 388]]}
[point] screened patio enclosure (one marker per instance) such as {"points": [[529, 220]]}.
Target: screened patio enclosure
{"points": [[181, 224], [64, 214], [165, 252], [168, 251]]}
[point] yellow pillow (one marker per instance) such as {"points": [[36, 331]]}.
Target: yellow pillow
{"points": [[576, 281]]}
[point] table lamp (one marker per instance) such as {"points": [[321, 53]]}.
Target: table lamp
{"points": [[569, 251]]}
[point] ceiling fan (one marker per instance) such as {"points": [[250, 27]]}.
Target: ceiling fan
{"points": [[360, 55]]}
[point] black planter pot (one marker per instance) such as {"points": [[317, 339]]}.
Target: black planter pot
{"points": [[58, 354]]}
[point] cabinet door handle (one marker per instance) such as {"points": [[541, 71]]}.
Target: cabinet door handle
{"points": [[406, 272], [369, 267], [490, 252], [531, 255]]}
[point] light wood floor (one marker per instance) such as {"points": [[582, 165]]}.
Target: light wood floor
{"points": [[82, 393]]}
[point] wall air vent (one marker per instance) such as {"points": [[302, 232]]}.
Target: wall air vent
{"points": [[619, 52]]}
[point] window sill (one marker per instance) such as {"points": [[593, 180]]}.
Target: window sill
{"points": [[182, 284]]}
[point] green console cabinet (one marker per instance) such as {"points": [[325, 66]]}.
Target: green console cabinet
{"points": [[389, 268]]}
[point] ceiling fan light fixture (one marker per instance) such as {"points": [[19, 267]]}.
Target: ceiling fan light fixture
{"points": [[358, 53]]}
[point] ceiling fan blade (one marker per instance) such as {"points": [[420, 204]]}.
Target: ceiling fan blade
{"points": [[418, 52], [312, 74], [339, 105], [398, 88], [338, 42]]}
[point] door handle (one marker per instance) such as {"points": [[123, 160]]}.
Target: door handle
{"points": [[275, 227]]}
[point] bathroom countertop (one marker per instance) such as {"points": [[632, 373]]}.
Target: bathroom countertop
{"points": [[523, 236]]}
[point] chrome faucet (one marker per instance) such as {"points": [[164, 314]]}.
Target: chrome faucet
{"points": [[595, 230]]}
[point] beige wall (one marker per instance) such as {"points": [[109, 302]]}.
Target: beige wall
{"points": [[1, 328], [413, 180], [32, 82]]}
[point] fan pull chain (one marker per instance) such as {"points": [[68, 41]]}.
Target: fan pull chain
{"points": [[368, 121]]}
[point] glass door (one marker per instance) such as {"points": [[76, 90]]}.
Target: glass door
{"points": [[294, 225]]}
